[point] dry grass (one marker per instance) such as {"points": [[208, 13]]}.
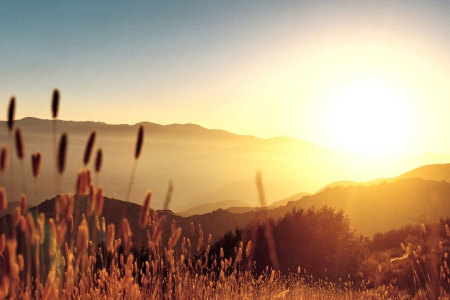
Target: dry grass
{"points": [[56, 258]]}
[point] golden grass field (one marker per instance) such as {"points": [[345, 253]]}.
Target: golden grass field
{"points": [[80, 255]]}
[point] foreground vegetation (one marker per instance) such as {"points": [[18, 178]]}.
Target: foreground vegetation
{"points": [[307, 254]]}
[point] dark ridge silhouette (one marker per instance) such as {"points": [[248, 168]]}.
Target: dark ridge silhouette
{"points": [[371, 209]]}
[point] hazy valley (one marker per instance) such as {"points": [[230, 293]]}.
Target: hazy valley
{"points": [[206, 166]]}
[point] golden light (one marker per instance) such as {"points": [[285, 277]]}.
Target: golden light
{"points": [[369, 117]]}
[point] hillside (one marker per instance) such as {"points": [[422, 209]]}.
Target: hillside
{"points": [[209, 207], [384, 206], [206, 165], [371, 209], [438, 172], [287, 200], [215, 223]]}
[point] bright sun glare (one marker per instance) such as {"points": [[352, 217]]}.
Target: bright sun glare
{"points": [[369, 118]]}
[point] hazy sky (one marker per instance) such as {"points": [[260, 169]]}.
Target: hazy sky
{"points": [[307, 69]]}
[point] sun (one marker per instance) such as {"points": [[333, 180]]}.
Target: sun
{"points": [[369, 117]]}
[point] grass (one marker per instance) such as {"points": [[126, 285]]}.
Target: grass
{"points": [[76, 256]]}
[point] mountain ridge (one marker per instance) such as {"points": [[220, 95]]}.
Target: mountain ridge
{"points": [[377, 208], [199, 161]]}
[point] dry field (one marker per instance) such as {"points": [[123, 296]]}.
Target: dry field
{"points": [[80, 255]]}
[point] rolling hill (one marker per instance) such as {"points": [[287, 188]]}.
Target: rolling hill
{"points": [[438, 172], [209, 207], [385, 206], [215, 223], [375, 208], [205, 165]]}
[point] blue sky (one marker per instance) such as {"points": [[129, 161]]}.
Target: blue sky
{"points": [[250, 67]]}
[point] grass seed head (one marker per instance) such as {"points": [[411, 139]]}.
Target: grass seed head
{"points": [[3, 200], [99, 201], [92, 200], [128, 236], [62, 151], [424, 230], [111, 234], [70, 221], [98, 160], [248, 248], [126, 228], [55, 103], [174, 238], [30, 230], [67, 203], [19, 143], [89, 146], [83, 182], [11, 268], [61, 230], [36, 163], [103, 224], [16, 216], [97, 223], [3, 158], [20, 262], [158, 229], [139, 142], [144, 209], [23, 202], [11, 109], [41, 222], [82, 237], [22, 223]]}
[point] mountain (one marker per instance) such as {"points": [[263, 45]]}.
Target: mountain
{"points": [[346, 183], [205, 165], [287, 200], [244, 191], [276, 204], [209, 207], [387, 205], [376, 208], [438, 172], [199, 161], [216, 223]]}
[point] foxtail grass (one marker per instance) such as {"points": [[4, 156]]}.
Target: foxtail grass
{"points": [[179, 265]]}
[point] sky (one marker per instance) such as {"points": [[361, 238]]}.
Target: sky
{"points": [[372, 77]]}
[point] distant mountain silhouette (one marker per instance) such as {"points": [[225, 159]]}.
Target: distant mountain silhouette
{"points": [[215, 223], [287, 200], [438, 172], [387, 205], [371, 209], [205, 165], [381, 207], [209, 207], [244, 191]]}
